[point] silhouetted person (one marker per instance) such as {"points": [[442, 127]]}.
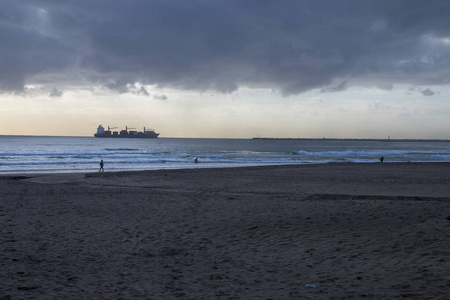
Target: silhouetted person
{"points": [[196, 160], [381, 159], [101, 166]]}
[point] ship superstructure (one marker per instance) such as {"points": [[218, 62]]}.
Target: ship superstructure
{"points": [[125, 133]]}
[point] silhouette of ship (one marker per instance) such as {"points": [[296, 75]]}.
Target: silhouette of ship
{"points": [[126, 133]]}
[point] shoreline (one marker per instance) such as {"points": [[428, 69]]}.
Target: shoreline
{"points": [[354, 230], [196, 167]]}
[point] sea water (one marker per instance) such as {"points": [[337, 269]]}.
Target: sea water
{"points": [[20, 154]]}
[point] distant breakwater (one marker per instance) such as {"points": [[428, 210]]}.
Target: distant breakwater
{"points": [[350, 139]]}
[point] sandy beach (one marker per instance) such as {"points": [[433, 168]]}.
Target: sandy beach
{"points": [[332, 231]]}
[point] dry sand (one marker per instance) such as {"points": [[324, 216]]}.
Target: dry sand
{"points": [[355, 231]]}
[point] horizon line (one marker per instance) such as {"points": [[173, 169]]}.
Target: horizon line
{"points": [[254, 138]]}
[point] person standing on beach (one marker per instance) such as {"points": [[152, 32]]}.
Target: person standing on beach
{"points": [[381, 159], [101, 166]]}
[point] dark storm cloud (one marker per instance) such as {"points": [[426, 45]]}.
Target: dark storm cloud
{"points": [[292, 46], [24, 49]]}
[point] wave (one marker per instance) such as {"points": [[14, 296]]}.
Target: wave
{"points": [[50, 154], [360, 153], [64, 154], [121, 149], [208, 156], [441, 156]]}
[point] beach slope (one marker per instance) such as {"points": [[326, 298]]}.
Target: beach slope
{"points": [[332, 231]]}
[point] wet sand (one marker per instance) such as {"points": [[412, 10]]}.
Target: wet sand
{"points": [[354, 231]]}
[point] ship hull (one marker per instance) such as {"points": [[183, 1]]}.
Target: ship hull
{"points": [[128, 136]]}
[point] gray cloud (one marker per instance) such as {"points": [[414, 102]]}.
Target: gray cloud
{"points": [[55, 93], [385, 86], [120, 85], [428, 92], [138, 90], [422, 91], [160, 97], [339, 88], [292, 47], [143, 91]]}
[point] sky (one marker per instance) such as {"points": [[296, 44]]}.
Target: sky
{"points": [[226, 69]]}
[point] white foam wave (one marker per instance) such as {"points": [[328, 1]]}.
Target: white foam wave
{"points": [[358, 153]]}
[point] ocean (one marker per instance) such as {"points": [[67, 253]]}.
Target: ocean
{"points": [[36, 154]]}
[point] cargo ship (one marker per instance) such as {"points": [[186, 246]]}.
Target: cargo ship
{"points": [[126, 133]]}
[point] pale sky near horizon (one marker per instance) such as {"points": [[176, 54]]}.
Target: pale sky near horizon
{"points": [[226, 69]]}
